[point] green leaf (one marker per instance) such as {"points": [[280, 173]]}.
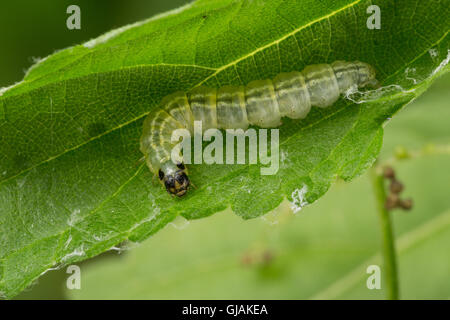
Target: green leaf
{"points": [[70, 184], [321, 252]]}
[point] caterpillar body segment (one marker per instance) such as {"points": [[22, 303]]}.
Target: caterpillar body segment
{"points": [[230, 106], [260, 103], [292, 95]]}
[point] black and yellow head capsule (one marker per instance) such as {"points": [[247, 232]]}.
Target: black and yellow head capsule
{"points": [[174, 178]]}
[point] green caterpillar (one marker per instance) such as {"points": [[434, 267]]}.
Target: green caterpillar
{"points": [[261, 103]]}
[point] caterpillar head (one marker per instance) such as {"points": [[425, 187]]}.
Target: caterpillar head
{"points": [[174, 178], [367, 75]]}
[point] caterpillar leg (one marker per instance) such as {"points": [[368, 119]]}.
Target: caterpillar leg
{"points": [[193, 185]]}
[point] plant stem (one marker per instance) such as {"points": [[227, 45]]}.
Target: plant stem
{"points": [[389, 255]]}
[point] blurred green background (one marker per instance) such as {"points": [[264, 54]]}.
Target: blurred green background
{"points": [[321, 252]]}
